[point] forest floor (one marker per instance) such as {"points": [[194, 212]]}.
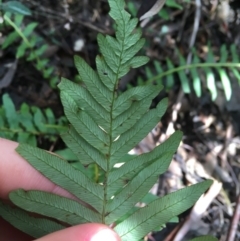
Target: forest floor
{"points": [[211, 144]]}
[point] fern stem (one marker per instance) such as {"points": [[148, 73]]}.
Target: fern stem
{"points": [[36, 133], [3, 129], [36, 57], [57, 127], [193, 66], [6, 18]]}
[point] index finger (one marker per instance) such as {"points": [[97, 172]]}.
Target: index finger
{"points": [[15, 173]]}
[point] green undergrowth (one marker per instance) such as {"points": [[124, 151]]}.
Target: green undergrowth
{"points": [[104, 125], [22, 39], [28, 123]]}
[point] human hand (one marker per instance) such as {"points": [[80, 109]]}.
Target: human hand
{"points": [[16, 173]]}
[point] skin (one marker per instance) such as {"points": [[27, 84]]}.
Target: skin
{"points": [[16, 173]]}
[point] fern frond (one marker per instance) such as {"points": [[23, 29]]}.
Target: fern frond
{"points": [[118, 178], [104, 126], [31, 47], [35, 227], [15, 7], [64, 175], [26, 124], [211, 69], [69, 211], [137, 188], [159, 212]]}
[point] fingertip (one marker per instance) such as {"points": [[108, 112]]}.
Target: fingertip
{"points": [[104, 233], [86, 232]]}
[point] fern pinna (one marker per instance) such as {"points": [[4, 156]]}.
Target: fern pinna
{"points": [[105, 126]]}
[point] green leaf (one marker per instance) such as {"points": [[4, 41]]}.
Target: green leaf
{"points": [[35, 227], [211, 83], [106, 75], [33, 40], [11, 114], [173, 4], [50, 116], [138, 61], [109, 55], [182, 75], [39, 119], [170, 79], [205, 238], [84, 151], [15, 7], [132, 8], [21, 50], [129, 139], [164, 14], [86, 102], [10, 39], [28, 30], [223, 75], [67, 154], [128, 119], [148, 73], [119, 177], [210, 78], [96, 88], [48, 72], [131, 52], [226, 83], [236, 59], [159, 212], [84, 123], [54, 206], [64, 175], [137, 188], [54, 81], [125, 100], [18, 20], [41, 63], [26, 118], [39, 52], [32, 56], [159, 70], [149, 197], [195, 75]]}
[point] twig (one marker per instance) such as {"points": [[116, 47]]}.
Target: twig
{"points": [[8, 77], [195, 29], [234, 222], [177, 106], [198, 210]]}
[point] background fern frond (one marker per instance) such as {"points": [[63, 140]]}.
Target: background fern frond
{"points": [[202, 72], [31, 46], [28, 123]]}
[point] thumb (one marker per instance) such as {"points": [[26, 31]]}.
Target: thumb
{"points": [[86, 232]]}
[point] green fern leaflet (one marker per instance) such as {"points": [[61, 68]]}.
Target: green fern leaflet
{"points": [[226, 69], [28, 123], [105, 126]]}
